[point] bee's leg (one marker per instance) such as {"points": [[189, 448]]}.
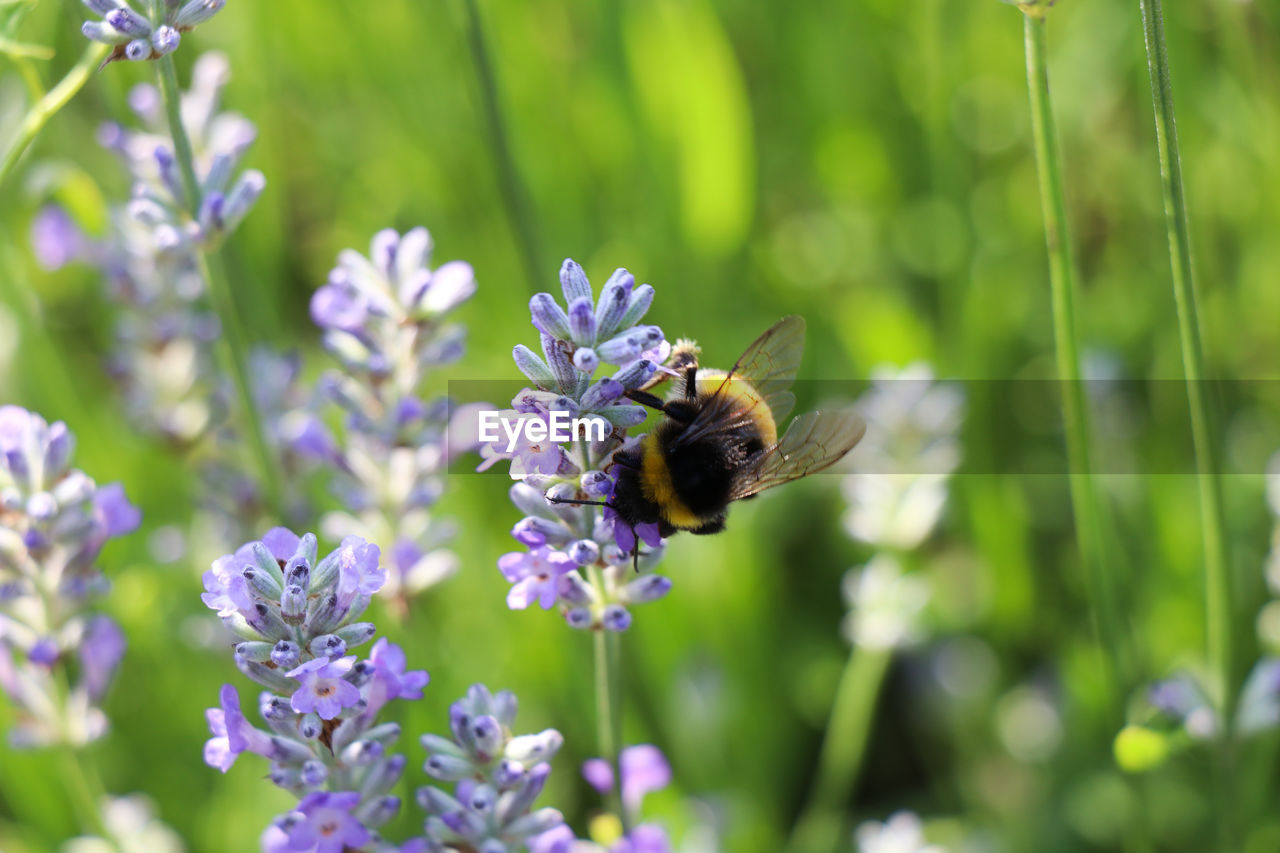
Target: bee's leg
{"points": [[572, 502], [691, 382], [644, 398], [713, 526], [677, 410]]}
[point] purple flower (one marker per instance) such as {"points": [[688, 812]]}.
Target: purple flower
{"points": [[115, 515], [390, 680], [101, 650], [324, 690], [558, 840], [328, 826], [306, 435], [535, 575], [625, 535], [338, 305], [359, 571], [281, 542], [599, 774], [55, 239], [645, 838], [643, 769], [231, 732], [226, 590]]}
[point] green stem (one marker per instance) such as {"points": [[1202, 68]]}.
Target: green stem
{"points": [[87, 803], [1217, 562], [509, 182], [55, 99], [820, 828], [1218, 593], [1099, 573], [608, 685], [221, 293]]}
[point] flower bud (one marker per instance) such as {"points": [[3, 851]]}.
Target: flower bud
{"points": [[614, 299], [533, 367], [258, 652], [573, 282], [582, 322], [549, 317]]}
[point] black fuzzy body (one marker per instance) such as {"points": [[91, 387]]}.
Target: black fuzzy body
{"points": [[700, 472]]}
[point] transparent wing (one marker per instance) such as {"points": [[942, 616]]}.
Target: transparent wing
{"points": [[770, 364], [813, 441]]}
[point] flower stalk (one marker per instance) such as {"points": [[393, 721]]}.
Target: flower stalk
{"points": [[1085, 503], [844, 746], [1218, 585], [608, 686], [220, 293], [1217, 565]]}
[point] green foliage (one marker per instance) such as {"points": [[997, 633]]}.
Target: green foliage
{"points": [[867, 165]]}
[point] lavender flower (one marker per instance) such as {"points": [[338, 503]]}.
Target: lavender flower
{"points": [[910, 450], [903, 832], [219, 141], [54, 522], [386, 320], [580, 557], [885, 604], [497, 778], [642, 769], [165, 333], [234, 492], [137, 37], [131, 826], [296, 617]]}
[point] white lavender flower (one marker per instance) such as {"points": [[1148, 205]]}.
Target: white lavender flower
{"points": [[386, 319], [903, 832], [497, 777], [885, 604], [910, 450], [131, 826], [54, 521], [580, 557]]}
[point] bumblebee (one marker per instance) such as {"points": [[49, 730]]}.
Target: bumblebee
{"points": [[718, 439]]}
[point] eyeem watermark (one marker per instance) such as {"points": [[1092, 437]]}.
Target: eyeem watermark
{"points": [[556, 427]]}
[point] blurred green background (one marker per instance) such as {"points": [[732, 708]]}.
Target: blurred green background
{"points": [[865, 164]]}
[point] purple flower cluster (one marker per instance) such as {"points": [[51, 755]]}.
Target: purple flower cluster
{"points": [[150, 257], [497, 777], [641, 769], [219, 142], [295, 615], [138, 38], [54, 521], [580, 556], [233, 492], [385, 319]]}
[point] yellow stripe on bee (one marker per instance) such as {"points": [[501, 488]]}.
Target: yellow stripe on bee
{"points": [[655, 477], [750, 401]]}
